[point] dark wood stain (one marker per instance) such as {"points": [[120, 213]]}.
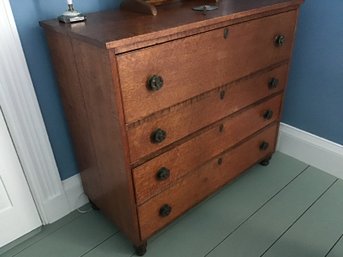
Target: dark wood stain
{"points": [[202, 112], [212, 105], [118, 28], [189, 155], [200, 63], [205, 180]]}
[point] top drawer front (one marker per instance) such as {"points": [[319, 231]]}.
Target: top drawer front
{"points": [[202, 62]]}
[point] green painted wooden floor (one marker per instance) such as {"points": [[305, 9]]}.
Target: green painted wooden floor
{"points": [[287, 209]]}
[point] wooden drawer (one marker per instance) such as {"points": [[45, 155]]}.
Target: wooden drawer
{"points": [[204, 181], [159, 173], [189, 117], [196, 64]]}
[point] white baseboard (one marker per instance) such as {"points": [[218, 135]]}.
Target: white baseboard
{"points": [[316, 151], [74, 192]]}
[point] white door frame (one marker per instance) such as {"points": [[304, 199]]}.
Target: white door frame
{"points": [[22, 113]]}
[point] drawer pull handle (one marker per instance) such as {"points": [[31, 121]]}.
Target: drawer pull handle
{"points": [[155, 83], [162, 174], [273, 83], [226, 33], [264, 146], [280, 40], [220, 161], [158, 136], [165, 210], [268, 114]]}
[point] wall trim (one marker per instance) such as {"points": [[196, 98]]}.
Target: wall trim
{"points": [[23, 117], [314, 150], [74, 192]]}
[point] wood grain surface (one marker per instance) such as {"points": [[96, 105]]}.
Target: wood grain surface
{"points": [[198, 112], [191, 154], [61, 51], [200, 63], [216, 69], [203, 181], [124, 31], [110, 185]]}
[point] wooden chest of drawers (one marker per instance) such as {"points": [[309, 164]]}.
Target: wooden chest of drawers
{"points": [[165, 110]]}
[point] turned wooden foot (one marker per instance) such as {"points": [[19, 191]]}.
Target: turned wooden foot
{"points": [[140, 250], [266, 161]]}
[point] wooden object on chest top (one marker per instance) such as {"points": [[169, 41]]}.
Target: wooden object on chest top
{"points": [[165, 110]]}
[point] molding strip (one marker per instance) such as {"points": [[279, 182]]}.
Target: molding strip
{"points": [[316, 151], [74, 192], [23, 116]]}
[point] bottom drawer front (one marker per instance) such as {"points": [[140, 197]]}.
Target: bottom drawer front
{"points": [[165, 207]]}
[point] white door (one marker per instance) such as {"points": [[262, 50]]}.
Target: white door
{"points": [[18, 213]]}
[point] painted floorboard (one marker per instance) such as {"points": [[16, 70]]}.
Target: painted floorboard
{"points": [[73, 240], [25, 242], [316, 231], [251, 214], [263, 228], [337, 249], [201, 229], [116, 246]]}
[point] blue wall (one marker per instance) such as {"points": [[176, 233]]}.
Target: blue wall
{"points": [[27, 14], [314, 99]]}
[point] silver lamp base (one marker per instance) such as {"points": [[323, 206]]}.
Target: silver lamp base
{"points": [[71, 15], [71, 19], [205, 8]]}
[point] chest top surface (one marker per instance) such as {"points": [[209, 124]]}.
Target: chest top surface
{"points": [[117, 28]]}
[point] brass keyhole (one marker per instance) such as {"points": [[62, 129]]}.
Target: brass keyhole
{"points": [[222, 94], [226, 33], [221, 128]]}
